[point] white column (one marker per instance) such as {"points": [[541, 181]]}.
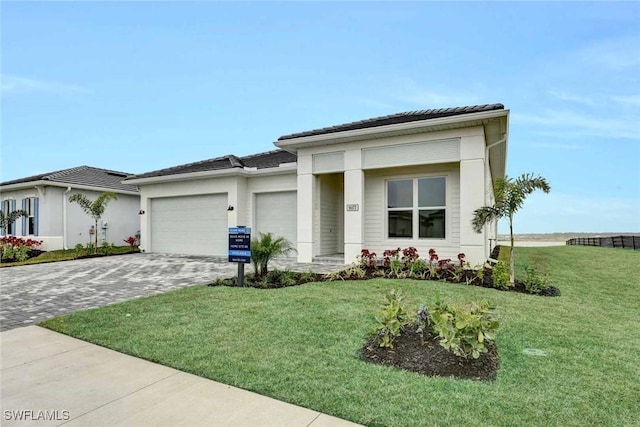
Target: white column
{"points": [[306, 191], [354, 206]]}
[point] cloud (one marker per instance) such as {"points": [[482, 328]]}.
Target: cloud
{"points": [[565, 96], [563, 212], [633, 100], [409, 91], [17, 84], [564, 122], [559, 146], [614, 54]]}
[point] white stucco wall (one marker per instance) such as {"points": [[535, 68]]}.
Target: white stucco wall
{"points": [[121, 216], [458, 154], [240, 191], [375, 213]]}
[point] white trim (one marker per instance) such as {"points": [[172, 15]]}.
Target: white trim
{"points": [[380, 131], [246, 172], [43, 184]]}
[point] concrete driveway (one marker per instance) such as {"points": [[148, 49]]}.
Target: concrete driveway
{"points": [[32, 293]]}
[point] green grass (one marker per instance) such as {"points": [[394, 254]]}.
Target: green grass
{"points": [[300, 345], [61, 255]]}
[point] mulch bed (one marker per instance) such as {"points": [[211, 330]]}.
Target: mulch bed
{"points": [[430, 358]]}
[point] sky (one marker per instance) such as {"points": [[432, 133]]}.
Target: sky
{"points": [[140, 86]]}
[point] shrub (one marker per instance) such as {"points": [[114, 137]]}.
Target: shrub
{"points": [[535, 282], [355, 272], [14, 248], [500, 275], [391, 317], [264, 249], [464, 329], [368, 259], [132, 241]]}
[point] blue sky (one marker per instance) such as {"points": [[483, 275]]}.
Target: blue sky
{"points": [[141, 86]]}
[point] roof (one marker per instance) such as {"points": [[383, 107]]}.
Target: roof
{"points": [[82, 175], [410, 116], [269, 159]]}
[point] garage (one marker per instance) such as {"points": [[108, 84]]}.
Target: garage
{"points": [[194, 225], [277, 213]]}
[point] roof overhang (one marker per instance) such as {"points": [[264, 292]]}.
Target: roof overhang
{"points": [[494, 122], [285, 168], [431, 125], [44, 183]]}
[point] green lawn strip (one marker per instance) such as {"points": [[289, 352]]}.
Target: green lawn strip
{"points": [[300, 345], [62, 255]]}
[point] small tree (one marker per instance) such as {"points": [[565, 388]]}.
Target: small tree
{"points": [[94, 208], [265, 249], [509, 197], [7, 219]]}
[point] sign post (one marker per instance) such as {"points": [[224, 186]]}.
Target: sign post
{"points": [[240, 249]]}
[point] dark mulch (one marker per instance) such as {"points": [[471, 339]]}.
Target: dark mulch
{"points": [[430, 358]]}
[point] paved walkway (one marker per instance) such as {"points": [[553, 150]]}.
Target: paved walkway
{"points": [[49, 379], [32, 293]]}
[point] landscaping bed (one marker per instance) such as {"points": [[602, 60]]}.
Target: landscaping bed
{"points": [[424, 355], [406, 264]]}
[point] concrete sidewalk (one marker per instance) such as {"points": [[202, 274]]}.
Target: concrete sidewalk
{"points": [[50, 379]]}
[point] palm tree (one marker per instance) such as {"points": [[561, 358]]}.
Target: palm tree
{"points": [[9, 218], [509, 197], [94, 208], [265, 249]]}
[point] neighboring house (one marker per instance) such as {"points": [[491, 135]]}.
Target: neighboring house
{"points": [[60, 224], [408, 179]]}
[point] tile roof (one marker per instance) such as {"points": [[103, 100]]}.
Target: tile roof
{"points": [[410, 116], [82, 175], [269, 159]]}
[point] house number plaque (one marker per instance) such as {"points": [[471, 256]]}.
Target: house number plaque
{"points": [[353, 207]]}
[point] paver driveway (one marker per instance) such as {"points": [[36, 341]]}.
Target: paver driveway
{"points": [[32, 293]]}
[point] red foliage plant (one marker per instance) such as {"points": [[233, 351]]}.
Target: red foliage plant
{"points": [[14, 241], [368, 259]]}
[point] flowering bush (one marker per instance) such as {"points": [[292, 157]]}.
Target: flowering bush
{"points": [[14, 248], [132, 241]]}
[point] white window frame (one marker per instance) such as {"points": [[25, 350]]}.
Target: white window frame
{"points": [[6, 208], [30, 209], [415, 209]]}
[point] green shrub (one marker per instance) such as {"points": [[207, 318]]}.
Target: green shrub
{"points": [[355, 272], [535, 282], [264, 249], [500, 275], [391, 317], [464, 329]]}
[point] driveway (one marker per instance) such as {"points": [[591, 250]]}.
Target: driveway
{"points": [[32, 293]]}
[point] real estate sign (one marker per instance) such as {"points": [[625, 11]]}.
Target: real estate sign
{"points": [[240, 244]]}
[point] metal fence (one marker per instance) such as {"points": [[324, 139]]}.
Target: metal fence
{"points": [[625, 242]]}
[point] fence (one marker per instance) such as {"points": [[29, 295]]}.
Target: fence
{"points": [[625, 242]]}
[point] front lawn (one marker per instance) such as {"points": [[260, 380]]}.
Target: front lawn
{"points": [[300, 344]]}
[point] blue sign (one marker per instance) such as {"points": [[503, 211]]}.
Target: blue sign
{"points": [[240, 244]]}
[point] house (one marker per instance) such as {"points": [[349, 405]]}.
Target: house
{"points": [[407, 179], [60, 224]]}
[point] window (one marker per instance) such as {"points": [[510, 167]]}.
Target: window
{"points": [[30, 205], [416, 208], [9, 206]]}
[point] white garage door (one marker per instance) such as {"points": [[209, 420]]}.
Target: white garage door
{"points": [[277, 213], [195, 225]]}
